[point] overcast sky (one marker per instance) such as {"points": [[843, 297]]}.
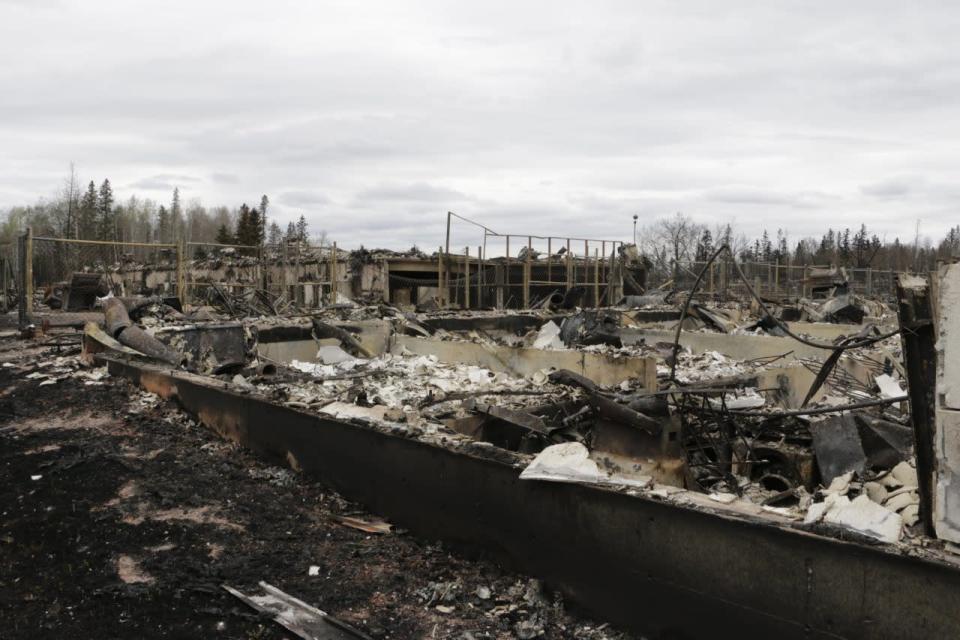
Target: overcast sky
{"points": [[375, 118]]}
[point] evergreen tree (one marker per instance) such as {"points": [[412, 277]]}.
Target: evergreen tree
{"points": [[87, 215], [242, 234], [264, 203], [176, 216], [828, 243], [800, 254], [782, 253], [291, 232], [843, 247], [302, 229], [861, 246], [163, 225], [105, 221], [950, 246], [766, 247], [224, 236], [274, 235], [256, 228]]}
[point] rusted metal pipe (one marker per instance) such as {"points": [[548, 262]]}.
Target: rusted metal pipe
{"points": [[138, 339], [120, 327], [115, 317]]}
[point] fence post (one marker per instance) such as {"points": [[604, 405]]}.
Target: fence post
{"points": [[181, 272], [283, 268], [5, 280], [466, 277], [333, 275], [386, 281], [526, 274], [28, 269], [440, 284], [481, 276], [869, 285], [569, 268], [22, 271], [596, 277], [299, 294]]}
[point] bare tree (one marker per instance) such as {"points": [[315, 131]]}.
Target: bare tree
{"points": [[679, 235]]}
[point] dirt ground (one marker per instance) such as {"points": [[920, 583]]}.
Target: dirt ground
{"points": [[120, 517]]}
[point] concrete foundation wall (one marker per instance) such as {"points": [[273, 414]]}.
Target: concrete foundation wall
{"points": [[664, 569], [947, 437]]}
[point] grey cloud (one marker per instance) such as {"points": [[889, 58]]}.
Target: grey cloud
{"points": [[415, 192], [568, 121], [302, 198], [736, 194], [163, 181], [897, 187]]}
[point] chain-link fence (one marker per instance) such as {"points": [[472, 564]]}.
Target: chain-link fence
{"points": [[774, 280], [304, 273], [64, 273], [480, 267], [9, 276]]}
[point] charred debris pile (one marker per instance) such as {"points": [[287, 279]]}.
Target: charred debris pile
{"points": [[792, 410]]}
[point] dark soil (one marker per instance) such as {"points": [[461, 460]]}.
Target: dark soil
{"points": [[120, 517]]}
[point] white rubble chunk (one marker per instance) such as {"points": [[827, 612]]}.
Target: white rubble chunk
{"points": [[571, 462], [331, 354], [902, 500], [548, 337], [860, 514], [749, 398], [348, 410], [905, 474], [875, 491], [867, 517], [910, 514], [841, 484], [723, 498], [889, 388]]}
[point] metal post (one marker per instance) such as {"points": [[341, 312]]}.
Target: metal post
{"points": [[481, 276], [28, 269], [440, 285], [466, 277], [596, 278], [5, 280], [386, 281], [601, 261], [569, 266], [507, 275], [549, 261], [334, 267], [446, 262], [283, 269], [299, 293], [526, 274], [586, 263], [181, 271]]}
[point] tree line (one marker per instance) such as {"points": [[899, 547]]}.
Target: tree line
{"points": [[671, 242], [94, 214]]}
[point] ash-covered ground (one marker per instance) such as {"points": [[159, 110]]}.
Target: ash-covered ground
{"points": [[121, 517]]}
